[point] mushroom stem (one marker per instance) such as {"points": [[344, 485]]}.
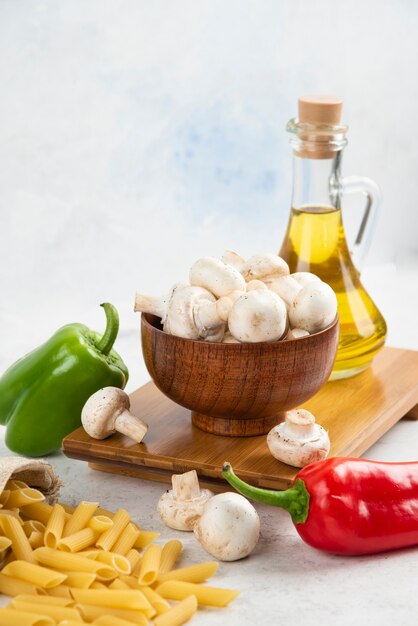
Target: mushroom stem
{"points": [[150, 304], [131, 426], [185, 486], [212, 314], [300, 423], [112, 327]]}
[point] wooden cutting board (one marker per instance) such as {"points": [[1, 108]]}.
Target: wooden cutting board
{"points": [[356, 412]]}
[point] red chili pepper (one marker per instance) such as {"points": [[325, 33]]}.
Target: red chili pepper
{"points": [[347, 506]]}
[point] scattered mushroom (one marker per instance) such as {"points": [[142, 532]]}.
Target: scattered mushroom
{"points": [[180, 507], [298, 440], [258, 316], [216, 276], [107, 412], [179, 310], [229, 527]]}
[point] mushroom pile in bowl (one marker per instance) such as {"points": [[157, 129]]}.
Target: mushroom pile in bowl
{"points": [[234, 300]]}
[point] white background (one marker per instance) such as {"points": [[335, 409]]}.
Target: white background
{"points": [[137, 136]]}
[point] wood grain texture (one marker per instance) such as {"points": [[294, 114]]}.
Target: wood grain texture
{"points": [[237, 389], [356, 412]]}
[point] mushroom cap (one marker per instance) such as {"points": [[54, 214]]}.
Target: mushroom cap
{"points": [[99, 413], [179, 319], [262, 266], [182, 514], [216, 276], [258, 316], [233, 258], [314, 307], [229, 527], [304, 278], [298, 440]]}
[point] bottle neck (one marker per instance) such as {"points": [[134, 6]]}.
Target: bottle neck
{"points": [[316, 182]]}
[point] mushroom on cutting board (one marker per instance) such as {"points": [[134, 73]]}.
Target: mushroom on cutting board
{"points": [[181, 506], [258, 316], [179, 310], [298, 440], [229, 527], [216, 276], [107, 412]]}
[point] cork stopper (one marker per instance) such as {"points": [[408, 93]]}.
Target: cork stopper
{"points": [[320, 110]]}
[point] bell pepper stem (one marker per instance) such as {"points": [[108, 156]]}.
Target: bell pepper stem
{"points": [[112, 327], [294, 500]]}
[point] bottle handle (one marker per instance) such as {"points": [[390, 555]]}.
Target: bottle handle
{"points": [[366, 186]]}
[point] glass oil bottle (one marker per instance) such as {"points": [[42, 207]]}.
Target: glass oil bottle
{"points": [[315, 239]]}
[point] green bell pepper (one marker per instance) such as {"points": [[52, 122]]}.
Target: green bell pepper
{"points": [[42, 394]]}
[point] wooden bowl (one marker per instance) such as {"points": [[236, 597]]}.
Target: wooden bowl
{"points": [[237, 389]]}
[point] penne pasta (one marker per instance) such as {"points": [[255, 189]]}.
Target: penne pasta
{"points": [[100, 523], [118, 562], [114, 598], [159, 603], [57, 613], [14, 586], [209, 596], [54, 527], [134, 558], [35, 574], [107, 540], [82, 580], [16, 484], [4, 496], [62, 591], [119, 584], [34, 599], [20, 497], [97, 585], [12, 513], [80, 517], [111, 620], [39, 511], [191, 574], [178, 614], [126, 539], [150, 564], [73, 563], [36, 540], [90, 612], [144, 538], [67, 508], [31, 526], [169, 555], [20, 543], [78, 541], [5, 543], [21, 618]]}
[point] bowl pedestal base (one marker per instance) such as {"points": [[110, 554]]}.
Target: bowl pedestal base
{"points": [[236, 427]]}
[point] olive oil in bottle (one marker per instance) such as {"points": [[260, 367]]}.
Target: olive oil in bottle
{"points": [[315, 239]]}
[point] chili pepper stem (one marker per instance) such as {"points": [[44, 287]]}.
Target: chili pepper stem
{"points": [[294, 500], [112, 327]]}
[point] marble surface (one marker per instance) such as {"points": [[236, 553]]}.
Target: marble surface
{"points": [[285, 581]]}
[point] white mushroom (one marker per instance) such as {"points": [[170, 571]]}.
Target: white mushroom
{"points": [[296, 333], [180, 507], [264, 266], [256, 284], [258, 316], [311, 307], [229, 527], [314, 307], [298, 440], [209, 316], [107, 412], [179, 311], [232, 258], [216, 276]]}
